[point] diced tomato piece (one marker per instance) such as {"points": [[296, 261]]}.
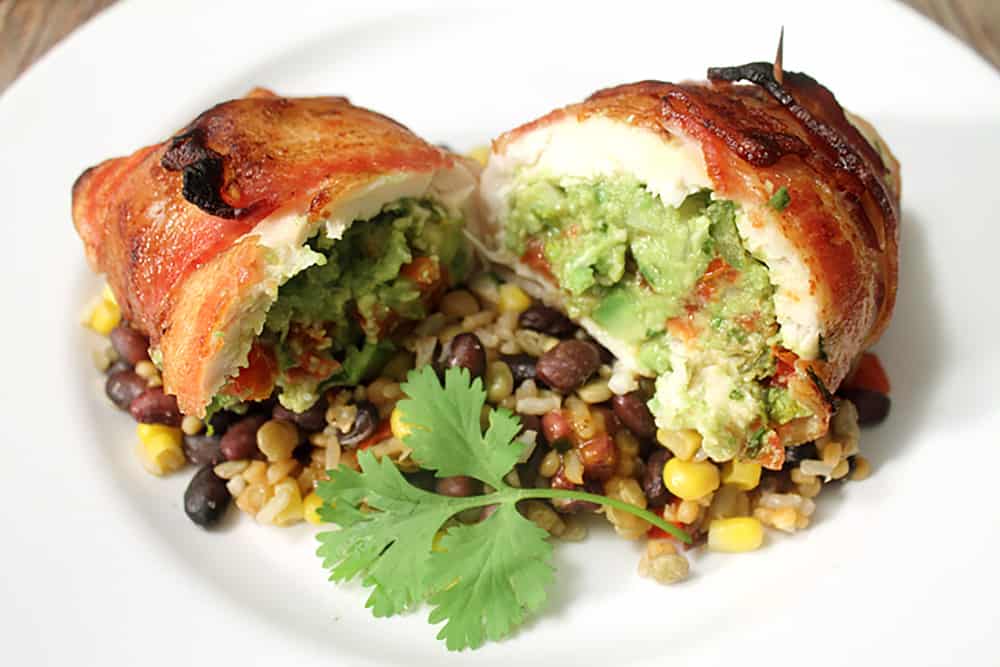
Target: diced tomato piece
{"points": [[534, 256], [719, 271], [256, 380], [682, 328], [430, 277], [656, 533], [784, 366], [869, 374], [382, 432], [424, 271]]}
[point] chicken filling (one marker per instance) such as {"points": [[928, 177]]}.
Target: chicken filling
{"points": [[332, 321], [676, 291]]}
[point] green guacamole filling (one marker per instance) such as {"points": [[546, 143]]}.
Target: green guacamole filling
{"points": [[673, 284], [331, 322]]}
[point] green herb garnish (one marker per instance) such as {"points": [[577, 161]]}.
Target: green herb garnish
{"points": [[482, 580], [780, 199]]}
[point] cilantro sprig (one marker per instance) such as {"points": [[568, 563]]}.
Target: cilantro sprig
{"points": [[481, 580]]}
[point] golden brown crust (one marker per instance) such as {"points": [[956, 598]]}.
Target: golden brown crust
{"points": [[843, 214], [163, 223], [213, 297]]}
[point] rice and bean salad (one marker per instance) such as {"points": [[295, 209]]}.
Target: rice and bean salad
{"points": [[267, 460]]}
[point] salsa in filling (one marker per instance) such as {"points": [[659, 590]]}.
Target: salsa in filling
{"points": [[331, 322], [675, 287]]}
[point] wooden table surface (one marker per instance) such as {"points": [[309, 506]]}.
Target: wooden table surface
{"points": [[28, 28]]}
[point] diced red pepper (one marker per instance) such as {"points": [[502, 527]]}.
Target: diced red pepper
{"points": [[656, 533], [424, 271], [382, 432], [869, 374], [534, 256], [784, 366], [255, 381]]}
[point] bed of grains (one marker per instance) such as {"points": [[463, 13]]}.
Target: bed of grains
{"points": [[268, 460]]}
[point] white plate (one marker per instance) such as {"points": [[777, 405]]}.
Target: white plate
{"points": [[99, 565]]}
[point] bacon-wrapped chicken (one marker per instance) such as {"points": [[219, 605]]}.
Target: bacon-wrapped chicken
{"points": [[738, 243], [274, 244]]}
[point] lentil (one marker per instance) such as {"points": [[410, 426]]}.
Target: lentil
{"points": [[595, 391], [499, 381], [459, 304]]}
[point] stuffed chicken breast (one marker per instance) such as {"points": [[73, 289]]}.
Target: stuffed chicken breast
{"points": [[274, 244], [736, 242]]}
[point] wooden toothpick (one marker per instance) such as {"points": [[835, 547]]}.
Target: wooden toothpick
{"points": [[778, 73]]}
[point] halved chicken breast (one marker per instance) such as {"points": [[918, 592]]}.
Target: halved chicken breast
{"points": [[738, 243], [275, 243]]}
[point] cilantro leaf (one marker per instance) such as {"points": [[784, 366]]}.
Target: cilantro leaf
{"points": [[484, 579], [389, 547], [446, 434], [780, 199], [489, 577]]}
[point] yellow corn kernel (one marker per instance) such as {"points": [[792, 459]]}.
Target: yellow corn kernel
{"points": [[400, 429], [684, 444], [105, 317], [735, 535], [108, 295], [690, 480], [160, 448], [513, 299], [293, 512], [741, 474], [310, 508], [479, 154]]}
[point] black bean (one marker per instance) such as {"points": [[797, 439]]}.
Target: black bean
{"points": [[240, 439], [130, 344], [547, 320], [522, 366], [222, 420], [466, 351], [206, 498], [117, 367], [203, 449], [365, 423], [124, 387], [422, 479], [574, 506], [633, 412], [310, 421], [793, 455], [568, 365], [873, 407], [605, 353], [153, 406], [531, 423], [652, 479], [459, 486]]}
